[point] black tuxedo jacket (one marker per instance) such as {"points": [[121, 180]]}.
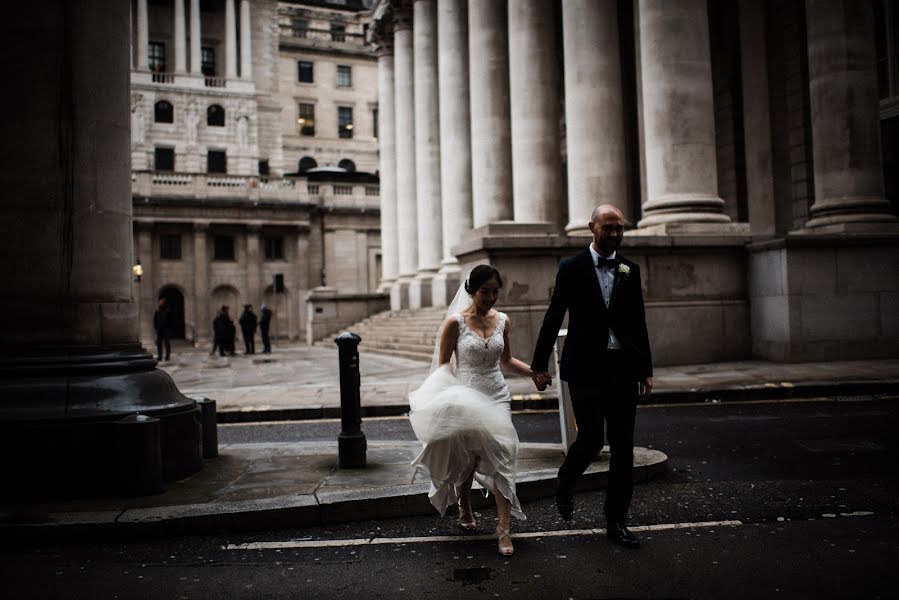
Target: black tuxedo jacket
{"points": [[577, 291]]}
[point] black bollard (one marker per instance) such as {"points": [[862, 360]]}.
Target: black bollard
{"points": [[139, 455], [351, 444], [209, 426]]}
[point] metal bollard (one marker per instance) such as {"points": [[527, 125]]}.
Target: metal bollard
{"points": [[351, 444], [209, 426], [139, 455]]}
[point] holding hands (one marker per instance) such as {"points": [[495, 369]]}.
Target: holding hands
{"points": [[541, 379]]}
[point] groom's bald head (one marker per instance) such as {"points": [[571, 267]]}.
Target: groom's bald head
{"points": [[606, 209], [607, 226]]}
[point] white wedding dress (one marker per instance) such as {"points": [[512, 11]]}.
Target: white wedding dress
{"points": [[465, 418]]}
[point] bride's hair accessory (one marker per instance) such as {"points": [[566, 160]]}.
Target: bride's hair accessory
{"points": [[480, 275]]}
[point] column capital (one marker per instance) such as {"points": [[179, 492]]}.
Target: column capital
{"points": [[254, 227], [402, 15], [200, 226]]}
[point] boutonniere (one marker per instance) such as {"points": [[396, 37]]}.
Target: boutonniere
{"points": [[624, 270]]}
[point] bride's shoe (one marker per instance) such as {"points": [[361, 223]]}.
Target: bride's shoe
{"points": [[505, 549], [470, 523]]}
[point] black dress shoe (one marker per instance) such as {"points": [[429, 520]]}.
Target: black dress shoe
{"points": [[565, 503], [619, 534]]}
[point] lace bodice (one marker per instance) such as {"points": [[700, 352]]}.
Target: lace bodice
{"points": [[477, 359]]}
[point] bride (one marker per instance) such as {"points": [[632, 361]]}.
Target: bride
{"points": [[462, 410]]}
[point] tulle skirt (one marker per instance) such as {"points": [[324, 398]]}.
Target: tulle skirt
{"points": [[463, 429]]}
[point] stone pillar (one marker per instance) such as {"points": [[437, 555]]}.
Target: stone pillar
{"points": [[491, 153], [427, 151], [143, 36], [534, 86], [678, 114], [202, 319], [196, 59], [845, 119], [387, 167], [594, 111], [146, 287], [298, 297], [230, 41], [407, 222], [253, 265], [455, 140], [66, 247], [180, 38], [246, 44]]}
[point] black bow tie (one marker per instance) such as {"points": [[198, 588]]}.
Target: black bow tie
{"points": [[609, 263]]}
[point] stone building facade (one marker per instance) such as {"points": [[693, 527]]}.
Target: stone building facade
{"points": [[235, 201], [750, 145]]}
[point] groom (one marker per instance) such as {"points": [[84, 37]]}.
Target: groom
{"points": [[606, 362]]}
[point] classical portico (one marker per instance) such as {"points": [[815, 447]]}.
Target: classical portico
{"points": [[548, 109]]}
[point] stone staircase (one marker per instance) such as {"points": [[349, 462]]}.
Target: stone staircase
{"points": [[409, 333]]}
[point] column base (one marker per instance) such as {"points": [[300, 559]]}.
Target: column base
{"points": [[399, 293], [690, 229], [446, 284], [420, 290], [683, 208]]}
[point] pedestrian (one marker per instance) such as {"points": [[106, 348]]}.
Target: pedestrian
{"points": [[220, 331], [265, 321], [162, 325], [248, 328], [230, 334], [462, 410], [606, 362]]}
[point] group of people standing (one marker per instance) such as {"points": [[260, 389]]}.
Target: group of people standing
{"points": [[224, 331]]}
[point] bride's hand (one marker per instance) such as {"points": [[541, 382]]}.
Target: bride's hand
{"points": [[541, 379]]}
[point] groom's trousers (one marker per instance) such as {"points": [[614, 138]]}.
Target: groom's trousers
{"points": [[608, 401]]}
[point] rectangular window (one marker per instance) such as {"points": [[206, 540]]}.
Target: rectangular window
{"points": [[216, 161], [374, 121], [274, 248], [304, 72], [156, 56], [263, 168], [223, 247], [344, 76], [207, 61], [300, 27], [306, 120], [338, 32], [164, 159], [170, 246], [345, 121]]}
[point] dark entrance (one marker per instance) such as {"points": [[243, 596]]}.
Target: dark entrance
{"points": [[175, 299]]}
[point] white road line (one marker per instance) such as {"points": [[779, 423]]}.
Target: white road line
{"points": [[462, 538]]}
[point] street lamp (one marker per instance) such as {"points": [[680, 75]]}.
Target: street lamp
{"points": [[137, 270]]}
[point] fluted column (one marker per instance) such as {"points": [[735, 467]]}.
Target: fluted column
{"points": [[845, 118], [143, 36], [427, 150], [491, 152], [203, 322], [534, 86], [196, 60], [387, 168], [180, 38], [230, 41], [246, 44], [678, 114], [594, 112], [455, 140], [405, 153]]}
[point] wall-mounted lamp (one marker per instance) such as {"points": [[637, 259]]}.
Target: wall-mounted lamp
{"points": [[137, 270]]}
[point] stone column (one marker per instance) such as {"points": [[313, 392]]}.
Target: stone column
{"points": [[387, 167], [66, 247], [455, 140], [246, 44], [845, 119], [427, 151], [407, 220], [230, 41], [594, 111], [534, 86], [491, 152], [298, 297], [253, 265], [196, 60], [203, 321], [143, 36], [180, 38], [146, 287], [678, 114]]}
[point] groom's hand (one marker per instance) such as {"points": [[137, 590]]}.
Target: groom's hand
{"points": [[541, 379], [645, 388]]}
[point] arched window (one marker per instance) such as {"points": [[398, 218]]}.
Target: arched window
{"points": [[215, 116], [347, 165], [163, 112], [306, 163]]}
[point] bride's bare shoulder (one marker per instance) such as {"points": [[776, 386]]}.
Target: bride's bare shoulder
{"points": [[451, 323]]}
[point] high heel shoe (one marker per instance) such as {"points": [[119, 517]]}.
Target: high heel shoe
{"points": [[464, 524], [505, 550]]}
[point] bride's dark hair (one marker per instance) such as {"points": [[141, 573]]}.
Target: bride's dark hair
{"points": [[480, 275]]}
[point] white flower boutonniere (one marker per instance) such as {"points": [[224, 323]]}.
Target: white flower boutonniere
{"points": [[624, 270]]}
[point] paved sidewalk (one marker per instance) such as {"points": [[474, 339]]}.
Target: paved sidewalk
{"points": [[299, 382]]}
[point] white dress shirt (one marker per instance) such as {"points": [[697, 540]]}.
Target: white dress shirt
{"points": [[606, 278]]}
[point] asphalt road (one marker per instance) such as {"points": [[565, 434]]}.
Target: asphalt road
{"points": [[792, 500]]}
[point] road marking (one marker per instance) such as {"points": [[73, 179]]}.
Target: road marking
{"points": [[462, 538]]}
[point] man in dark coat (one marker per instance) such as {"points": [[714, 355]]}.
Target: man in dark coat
{"points": [[248, 328], [221, 331], [162, 325], [265, 321], [606, 362]]}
